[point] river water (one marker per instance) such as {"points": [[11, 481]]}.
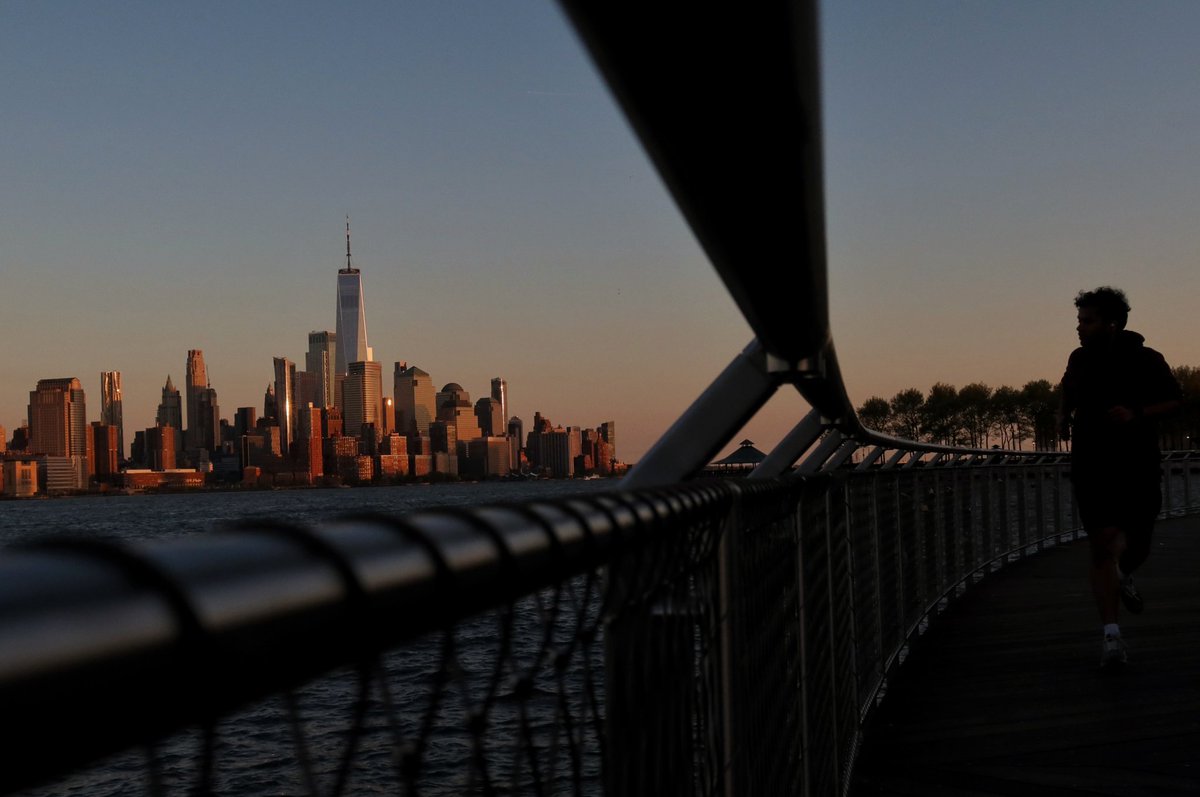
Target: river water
{"points": [[256, 752]]}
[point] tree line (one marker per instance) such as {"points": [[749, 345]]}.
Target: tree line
{"points": [[980, 416]]}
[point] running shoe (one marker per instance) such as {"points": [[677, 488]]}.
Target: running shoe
{"points": [[1112, 652], [1130, 596]]}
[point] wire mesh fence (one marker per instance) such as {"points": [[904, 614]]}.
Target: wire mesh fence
{"points": [[714, 638]]}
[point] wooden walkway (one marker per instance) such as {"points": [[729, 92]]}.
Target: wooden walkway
{"points": [[1004, 695]]}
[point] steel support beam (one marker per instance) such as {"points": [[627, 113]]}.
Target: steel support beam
{"points": [[813, 462], [711, 422], [791, 447]]}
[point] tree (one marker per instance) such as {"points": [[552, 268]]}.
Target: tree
{"points": [[976, 413], [1006, 416], [906, 414], [1039, 411], [1181, 430], [876, 414], [941, 414]]}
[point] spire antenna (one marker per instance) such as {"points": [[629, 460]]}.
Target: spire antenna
{"points": [[348, 266]]}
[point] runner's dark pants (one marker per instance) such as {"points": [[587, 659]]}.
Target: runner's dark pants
{"points": [[1130, 504]]}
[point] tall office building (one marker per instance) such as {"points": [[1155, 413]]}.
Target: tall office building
{"points": [[363, 397], [414, 397], [491, 417], [351, 316], [516, 439], [500, 394], [105, 456], [454, 407], [285, 401], [320, 361], [196, 381], [58, 418], [170, 413], [208, 417], [160, 447], [608, 433], [110, 407]]}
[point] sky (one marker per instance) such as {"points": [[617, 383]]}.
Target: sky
{"points": [[177, 176]]}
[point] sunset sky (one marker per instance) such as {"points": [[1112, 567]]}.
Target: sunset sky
{"points": [[177, 176]]}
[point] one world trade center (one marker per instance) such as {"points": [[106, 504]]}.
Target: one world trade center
{"points": [[351, 316]]}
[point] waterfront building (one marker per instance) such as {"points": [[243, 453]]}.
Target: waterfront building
{"points": [[351, 331], [415, 400], [195, 381], [105, 453], [161, 451], [20, 477], [420, 464], [489, 414], [62, 474], [288, 411], [337, 451], [392, 466], [111, 407], [608, 433], [3, 440], [516, 434], [558, 449], [58, 418], [487, 457], [320, 362], [362, 397]]}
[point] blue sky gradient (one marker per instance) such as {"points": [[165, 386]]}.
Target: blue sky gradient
{"points": [[177, 176]]}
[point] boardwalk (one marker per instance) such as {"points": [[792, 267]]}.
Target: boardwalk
{"points": [[1004, 696]]}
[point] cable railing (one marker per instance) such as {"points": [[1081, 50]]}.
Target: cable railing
{"points": [[675, 638], [724, 637]]}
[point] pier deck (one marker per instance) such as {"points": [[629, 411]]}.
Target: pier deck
{"points": [[1004, 695]]}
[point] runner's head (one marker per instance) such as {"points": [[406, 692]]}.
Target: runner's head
{"points": [[1102, 313]]}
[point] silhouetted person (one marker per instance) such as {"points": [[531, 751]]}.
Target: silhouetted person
{"points": [[1113, 391]]}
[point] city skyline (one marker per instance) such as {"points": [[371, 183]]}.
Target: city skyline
{"points": [[177, 179]]}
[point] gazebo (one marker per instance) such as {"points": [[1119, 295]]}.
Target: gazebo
{"points": [[740, 462]]}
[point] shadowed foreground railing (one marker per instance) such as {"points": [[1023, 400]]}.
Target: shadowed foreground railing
{"points": [[713, 638]]}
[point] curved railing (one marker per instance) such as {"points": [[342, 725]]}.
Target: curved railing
{"points": [[705, 638]]}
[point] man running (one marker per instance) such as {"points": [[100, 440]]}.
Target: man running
{"points": [[1113, 391]]}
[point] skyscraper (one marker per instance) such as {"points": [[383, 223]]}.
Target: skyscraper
{"points": [[500, 394], [170, 413], [110, 407], [320, 361], [58, 418], [413, 393], [285, 401], [351, 316], [363, 397], [196, 382], [208, 420], [490, 417]]}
